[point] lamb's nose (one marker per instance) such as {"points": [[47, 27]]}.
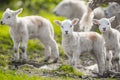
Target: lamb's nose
{"points": [[104, 29], [55, 12], [1, 22], [66, 32]]}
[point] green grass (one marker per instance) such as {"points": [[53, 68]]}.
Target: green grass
{"points": [[68, 71], [12, 75]]}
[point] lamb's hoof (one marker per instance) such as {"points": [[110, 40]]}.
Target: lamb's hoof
{"points": [[24, 61], [46, 59], [55, 60], [104, 75]]}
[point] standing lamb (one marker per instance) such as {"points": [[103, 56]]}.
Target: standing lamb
{"points": [[77, 43], [75, 9], [23, 28], [86, 21], [112, 41]]}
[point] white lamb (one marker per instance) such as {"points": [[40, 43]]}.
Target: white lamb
{"points": [[77, 43], [112, 41], [23, 28]]}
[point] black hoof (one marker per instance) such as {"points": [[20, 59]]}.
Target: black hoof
{"points": [[47, 59], [24, 61], [104, 75], [55, 60]]}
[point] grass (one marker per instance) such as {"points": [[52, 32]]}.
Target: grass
{"points": [[12, 75]]}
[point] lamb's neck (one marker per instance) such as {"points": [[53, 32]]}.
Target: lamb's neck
{"points": [[15, 24], [107, 34], [66, 37]]}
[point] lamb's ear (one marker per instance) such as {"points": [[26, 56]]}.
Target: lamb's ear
{"points": [[112, 19], [7, 9], [95, 21], [57, 22], [75, 21], [18, 11]]}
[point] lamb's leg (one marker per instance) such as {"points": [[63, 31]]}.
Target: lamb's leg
{"points": [[16, 51], [116, 60], [75, 58], [108, 60], [47, 52], [24, 49], [100, 57], [69, 59], [54, 49], [47, 49]]}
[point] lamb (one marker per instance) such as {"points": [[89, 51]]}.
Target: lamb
{"points": [[112, 41], [77, 43], [29, 27], [86, 21], [75, 9], [113, 9]]}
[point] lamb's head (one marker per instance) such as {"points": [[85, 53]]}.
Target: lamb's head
{"points": [[9, 16], [67, 25], [112, 9], [64, 8], [104, 23]]}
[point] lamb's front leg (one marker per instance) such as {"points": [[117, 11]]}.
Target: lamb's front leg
{"points": [[16, 51], [75, 58], [24, 49], [108, 60]]}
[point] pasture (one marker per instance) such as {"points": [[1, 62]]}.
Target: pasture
{"points": [[35, 68]]}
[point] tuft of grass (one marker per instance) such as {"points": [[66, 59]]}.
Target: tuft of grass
{"points": [[68, 71]]}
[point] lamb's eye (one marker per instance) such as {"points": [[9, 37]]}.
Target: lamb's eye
{"points": [[70, 25], [8, 17], [107, 23]]}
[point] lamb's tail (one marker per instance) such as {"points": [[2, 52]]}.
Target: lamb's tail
{"points": [[86, 21]]}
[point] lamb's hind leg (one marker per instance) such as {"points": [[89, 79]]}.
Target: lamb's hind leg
{"points": [[100, 57], [54, 49], [47, 53], [24, 48], [116, 61], [47, 49]]}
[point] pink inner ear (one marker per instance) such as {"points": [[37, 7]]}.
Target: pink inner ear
{"points": [[58, 22], [96, 22], [75, 21]]}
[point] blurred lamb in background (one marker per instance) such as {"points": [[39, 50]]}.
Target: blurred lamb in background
{"points": [[113, 9], [75, 9], [86, 21]]}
